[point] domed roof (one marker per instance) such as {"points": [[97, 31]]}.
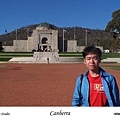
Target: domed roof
{"points": [[45, 25]]}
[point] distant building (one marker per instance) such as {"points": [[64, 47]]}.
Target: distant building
{"points": [[44, 38]]}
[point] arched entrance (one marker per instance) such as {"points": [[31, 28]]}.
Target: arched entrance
{"points": [[45, 44], [44, 40]]}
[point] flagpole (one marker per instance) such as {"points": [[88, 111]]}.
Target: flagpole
{"points": [[86, 38], [74, 40], [5, 39], [16, 34], [16, 37], [63, 40], [27, 40]]}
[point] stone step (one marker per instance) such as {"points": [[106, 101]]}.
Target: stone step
{"points": [[111, 60], [70, 59]]}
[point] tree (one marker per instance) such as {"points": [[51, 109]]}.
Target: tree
{"points": [[113, 27], [114, 24], [1, 48]]}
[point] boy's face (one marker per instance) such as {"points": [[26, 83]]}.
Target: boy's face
{"points": [[92, 61]]}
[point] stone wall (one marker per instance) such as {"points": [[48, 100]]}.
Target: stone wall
{"points": [[20, 45], [8, 48], [30, 44], [71, 45], [80, 48]]}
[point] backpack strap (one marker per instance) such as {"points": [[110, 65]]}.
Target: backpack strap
{"points": [[81, 79]]}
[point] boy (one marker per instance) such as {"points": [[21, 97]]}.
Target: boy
{"points": [[95, 87]]}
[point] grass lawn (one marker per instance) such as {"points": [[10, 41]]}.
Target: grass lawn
{"points": [[5, 56], [112, 66]]}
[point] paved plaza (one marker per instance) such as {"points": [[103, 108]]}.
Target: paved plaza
{"points": [[40, 84]]}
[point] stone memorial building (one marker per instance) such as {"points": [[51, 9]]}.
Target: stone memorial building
{"points": [[44, 38]]}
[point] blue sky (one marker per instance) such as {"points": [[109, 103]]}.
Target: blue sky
{"points": [[93, 14]]}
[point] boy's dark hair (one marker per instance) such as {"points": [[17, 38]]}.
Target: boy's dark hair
{"points": [[91, 50]]}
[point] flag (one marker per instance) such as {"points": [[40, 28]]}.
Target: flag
{"points": [[64, 30], [87, 31], [6, 31], [17, 31], [115, 34]]}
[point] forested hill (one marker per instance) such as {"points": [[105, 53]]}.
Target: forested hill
{"points": [[94, 36]]}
